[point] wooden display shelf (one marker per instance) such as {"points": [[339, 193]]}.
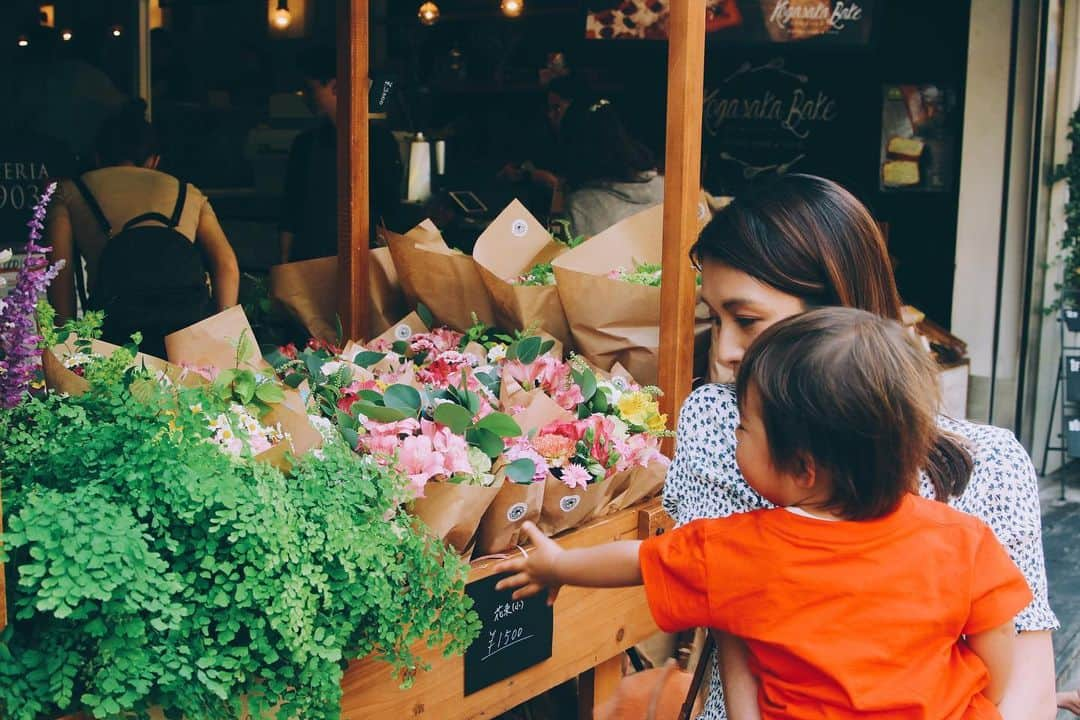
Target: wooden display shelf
{"points": [[592, 629]]}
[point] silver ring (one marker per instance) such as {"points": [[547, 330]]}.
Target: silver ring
{"points": [[522, 551]]}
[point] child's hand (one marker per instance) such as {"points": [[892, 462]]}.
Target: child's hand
{"points": [[535, 570]]}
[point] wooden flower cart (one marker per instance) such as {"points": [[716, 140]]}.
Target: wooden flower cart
{"points": [[591, 627]]}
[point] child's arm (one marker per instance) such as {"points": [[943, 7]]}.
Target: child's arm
{"points": [[740, 685], [995, 648], [547, 565]]}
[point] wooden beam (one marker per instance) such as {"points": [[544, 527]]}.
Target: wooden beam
{"points": [[682, 191], [354, 217]]}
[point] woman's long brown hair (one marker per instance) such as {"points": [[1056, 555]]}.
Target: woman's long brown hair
{"points": [[810, 238]]}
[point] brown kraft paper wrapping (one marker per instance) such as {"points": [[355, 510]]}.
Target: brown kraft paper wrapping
{"points": [[500, 528], [509, 247], [308, 290], [565, 508], [453, 511], [401, 246], [61, 379], [403, 329], [211, 343], [640, 483], [611, 320], [444, 280]]}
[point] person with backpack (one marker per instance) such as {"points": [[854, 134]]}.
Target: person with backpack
{"points": [[149, 241]]}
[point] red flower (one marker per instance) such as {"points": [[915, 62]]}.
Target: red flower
{"points": [[288, 351]]}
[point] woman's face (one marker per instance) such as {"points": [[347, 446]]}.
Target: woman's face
{"points": [[741, 307]]}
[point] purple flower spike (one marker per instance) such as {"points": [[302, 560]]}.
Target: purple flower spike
{"points": [[18, 328]]}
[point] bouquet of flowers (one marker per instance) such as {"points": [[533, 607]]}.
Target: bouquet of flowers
{"points": [[513, 257], [647, 274]]}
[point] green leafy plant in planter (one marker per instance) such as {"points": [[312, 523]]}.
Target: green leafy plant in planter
{"points": [[147, 568], [1069, 287]]}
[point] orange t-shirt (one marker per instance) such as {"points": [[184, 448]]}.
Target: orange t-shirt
{"points": [[844, 619]]}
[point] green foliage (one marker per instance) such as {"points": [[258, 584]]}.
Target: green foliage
{"points": [[1069, 287], [146, 567]]}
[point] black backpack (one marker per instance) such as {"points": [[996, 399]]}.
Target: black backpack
{"points": [[150, 278]]}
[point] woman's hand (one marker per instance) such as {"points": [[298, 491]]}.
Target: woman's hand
{"points": [[535, 570]]}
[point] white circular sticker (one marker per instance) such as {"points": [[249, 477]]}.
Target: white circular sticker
{"points": [[620, 383], [519, 228], [517, 511], [403, 332], [568, 503]]}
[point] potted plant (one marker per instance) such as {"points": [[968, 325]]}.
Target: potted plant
{"points": [[147, 568], [1068, 301]]}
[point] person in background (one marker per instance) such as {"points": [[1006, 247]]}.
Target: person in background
{"points": [[309, 217], [610, 175], [550, 150], [128, 184]]}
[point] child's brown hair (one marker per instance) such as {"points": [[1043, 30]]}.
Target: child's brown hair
{"points": [[854, 393]]}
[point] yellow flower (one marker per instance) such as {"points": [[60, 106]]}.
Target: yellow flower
{"points": [[656, 423], [637, 408]]}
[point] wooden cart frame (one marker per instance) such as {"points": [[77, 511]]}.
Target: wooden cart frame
{"points": [[592, 627]]}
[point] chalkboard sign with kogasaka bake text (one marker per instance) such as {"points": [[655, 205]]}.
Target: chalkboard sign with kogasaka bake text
{"points": [[516, 634]]}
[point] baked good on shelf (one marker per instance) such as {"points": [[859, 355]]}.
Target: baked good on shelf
{"points": [[902, 148], [900, 173]]}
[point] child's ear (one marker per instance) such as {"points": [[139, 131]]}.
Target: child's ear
{"points": [[805, 476]]}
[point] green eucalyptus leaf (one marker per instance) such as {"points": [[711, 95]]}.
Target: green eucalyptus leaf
{"points": [[455, 417], [521, 471], [367, 358], [528, 349], [501, 424], [377, 412], [488, 442], [402, 397]]}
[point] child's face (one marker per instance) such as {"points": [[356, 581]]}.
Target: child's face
{"points": [[755, 459]]}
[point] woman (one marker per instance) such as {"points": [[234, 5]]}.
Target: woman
{"points": [[800, 242], [127, 185], [610, 175]]}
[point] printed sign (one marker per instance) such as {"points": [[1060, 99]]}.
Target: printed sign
{"points": [[516, 634], [1072, 378], [738, 22], [1072, 436]]}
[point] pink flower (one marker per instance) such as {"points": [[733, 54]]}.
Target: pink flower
{"points": [[555, 448], [575, 476], [574, 429], [453, 448], [520, 448], [418, 461], [570, 398], [437, 341]]}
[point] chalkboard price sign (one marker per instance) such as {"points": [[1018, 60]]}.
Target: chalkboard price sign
{"points": [[516, 634]]}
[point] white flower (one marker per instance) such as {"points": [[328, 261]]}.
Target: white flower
{"points": [[5, 256], [77, 359], [613, 393], [496, 353]]}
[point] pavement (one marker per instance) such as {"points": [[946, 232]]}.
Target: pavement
{"points": [[1061, 541]]}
